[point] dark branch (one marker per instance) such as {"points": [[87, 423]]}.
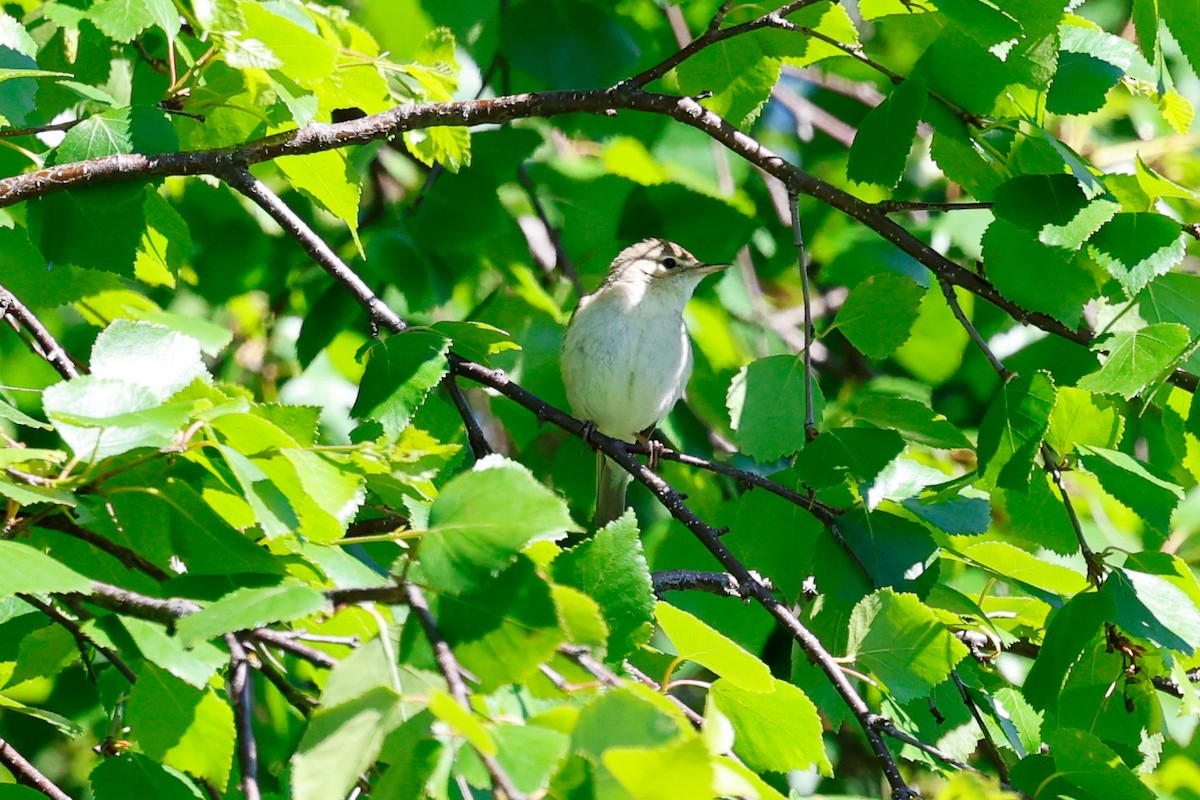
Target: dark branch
{"points": [[27, 774], [47, 347], [378, 311], [689, 580], [241, 695], [448, 666]]}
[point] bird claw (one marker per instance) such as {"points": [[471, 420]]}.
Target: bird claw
{"points": [[588, 432]]}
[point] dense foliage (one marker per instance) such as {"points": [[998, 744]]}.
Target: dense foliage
{"points": [[294, 508]]}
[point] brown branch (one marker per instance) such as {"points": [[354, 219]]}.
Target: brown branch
{"points": [[297, 699], [475, 436], [27, 774], [241, 696], [709, 537], [689, 580], [131, 559], [562, 262], [36, 129], [240, 178], [319, 137], [48, 347], [82, 640], [713, 34], [448, 666]]}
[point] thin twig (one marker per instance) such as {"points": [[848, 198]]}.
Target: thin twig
{"points": [[1094, 563], [241, 179], [297, 699], [27, 774], [562, 262], [909, 206], [241, 693], [131, 559], [448, 666], [712, 34], [48, 347], [36, 129], [957, 309], [993, 751], [81, 639], [810, 424], [690, 580], [475, 436]]}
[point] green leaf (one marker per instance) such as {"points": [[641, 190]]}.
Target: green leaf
{"points": [[1054, 207], [341, 743], [24, 569], [1081, 418], [915, 421], [122, 20], [1081, 83], [250, 608], [895, 551], [1037, 516], [886, 134], [697, 642], [1014, 565], [148, 355], [753, 537], [528, 754], [1180, 16], [855, 454], [935, 348], [476, 341], [181, 726], [1020, 266], [1083, 762], [1155, 608], [738, 73], [988, 25], [1137, 358], [611, 568], [135, 775], [879, 313], [1012, 430], [399, 375], [195, 664], [328, 179], [677, 771], [902, 642], [469, 542], [1150, 494], [775, 730], [1136, 247], [502, 630], [766, 407], [631, 716]]}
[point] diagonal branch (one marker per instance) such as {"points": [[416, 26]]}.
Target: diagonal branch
{"points": [[241, 695], [448, 665], [29, 775], [377, 311], [709, 537], [44, 343]]}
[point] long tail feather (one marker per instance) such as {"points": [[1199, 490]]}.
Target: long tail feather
{"points": [[611, 482]]}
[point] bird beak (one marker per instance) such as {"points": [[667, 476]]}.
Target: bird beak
{"points": [[705, 269]]}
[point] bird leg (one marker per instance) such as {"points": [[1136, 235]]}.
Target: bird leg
{"points": [[589, 428], [654, 448]]}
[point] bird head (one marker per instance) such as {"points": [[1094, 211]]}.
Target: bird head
{"points": [[657, 262]]}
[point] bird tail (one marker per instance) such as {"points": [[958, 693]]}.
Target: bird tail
{"points": [[611, 481]]}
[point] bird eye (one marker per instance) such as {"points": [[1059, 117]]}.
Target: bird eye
{"points": [[670, 263]]}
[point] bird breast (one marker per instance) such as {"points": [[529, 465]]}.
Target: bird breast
{"points": [[625, 362]]}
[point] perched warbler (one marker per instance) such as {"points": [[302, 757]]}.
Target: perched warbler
{"points": [[626, 356]]}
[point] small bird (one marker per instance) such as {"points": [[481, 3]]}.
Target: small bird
{"points": [[626, 356]]}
